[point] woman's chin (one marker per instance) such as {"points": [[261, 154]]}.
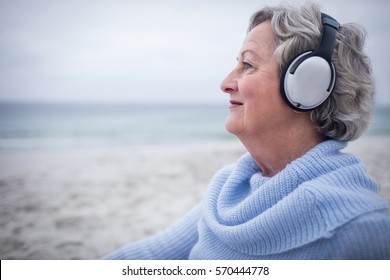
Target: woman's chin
{"points": [[232, 125]]}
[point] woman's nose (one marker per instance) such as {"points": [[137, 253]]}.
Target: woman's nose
{"points": [[229, 84]]}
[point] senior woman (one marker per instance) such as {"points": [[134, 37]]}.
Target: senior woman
{"points": [[302, 89]]}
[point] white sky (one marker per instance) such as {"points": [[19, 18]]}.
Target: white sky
{"points": [[146, 51]]}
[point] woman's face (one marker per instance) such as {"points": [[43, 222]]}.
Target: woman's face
{"points": [[256, 106]]}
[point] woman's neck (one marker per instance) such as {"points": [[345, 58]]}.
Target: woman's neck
{"points": [[272, 153]]}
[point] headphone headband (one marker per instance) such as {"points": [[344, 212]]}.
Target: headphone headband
{"points": [[328, 40]]}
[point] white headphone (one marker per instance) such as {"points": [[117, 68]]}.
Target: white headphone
{"points": [[309, 79]]}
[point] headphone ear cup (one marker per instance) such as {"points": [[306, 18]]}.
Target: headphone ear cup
{"points": [[307, 82]]}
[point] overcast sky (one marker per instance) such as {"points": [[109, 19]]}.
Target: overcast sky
{"points": [[146, 51]]}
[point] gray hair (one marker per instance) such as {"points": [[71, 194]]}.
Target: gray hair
{"points": [[345, 115]]}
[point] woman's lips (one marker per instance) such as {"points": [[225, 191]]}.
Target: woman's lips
{"points": [[235, 104]]}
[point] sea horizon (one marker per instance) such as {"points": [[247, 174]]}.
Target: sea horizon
{"points": [[62, 125], [38, 125]]}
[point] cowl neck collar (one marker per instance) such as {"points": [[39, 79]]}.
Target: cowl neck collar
{"points": [[307, 200]]}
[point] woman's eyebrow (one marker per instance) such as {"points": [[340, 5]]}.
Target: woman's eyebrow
{"points": [[253, 53]]}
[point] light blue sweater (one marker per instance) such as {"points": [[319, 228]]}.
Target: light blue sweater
{"points": [[321, 206]]}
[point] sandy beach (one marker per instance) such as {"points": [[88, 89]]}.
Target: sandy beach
{"points": [[82, 204]]}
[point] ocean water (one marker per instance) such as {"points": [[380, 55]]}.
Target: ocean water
{"points": [[47, 126], [32, 126]]}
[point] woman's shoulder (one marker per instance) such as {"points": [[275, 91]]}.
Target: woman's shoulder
{"points": [[365, 237], [375, 222]]}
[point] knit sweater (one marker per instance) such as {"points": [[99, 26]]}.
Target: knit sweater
{"points": [[323, 205]]}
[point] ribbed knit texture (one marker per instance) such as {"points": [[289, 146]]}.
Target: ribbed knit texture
{"points": [[321, 206]]}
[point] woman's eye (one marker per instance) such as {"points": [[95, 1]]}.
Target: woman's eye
{"points": [[247, 65]]}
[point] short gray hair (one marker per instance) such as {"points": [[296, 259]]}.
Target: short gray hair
{"points": [[345, 115]]}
